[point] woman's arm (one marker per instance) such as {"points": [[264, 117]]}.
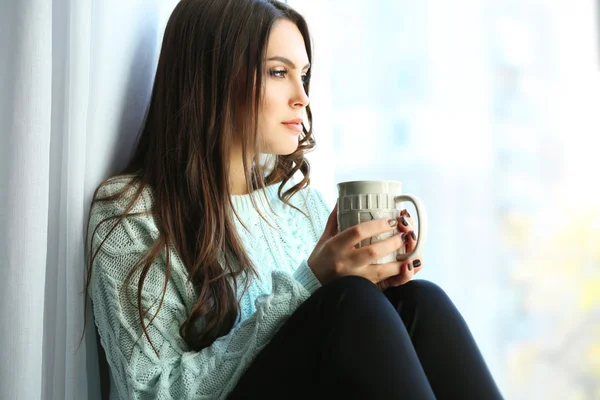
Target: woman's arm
{"points": [[176, 372]]}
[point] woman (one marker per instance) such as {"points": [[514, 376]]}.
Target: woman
{"points": [[214, 273]]}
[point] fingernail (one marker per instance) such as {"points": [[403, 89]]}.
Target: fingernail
{"points": [[393, 222], [410, 267], [404, 221], [413, 235], [404, 236], [416, 263]]}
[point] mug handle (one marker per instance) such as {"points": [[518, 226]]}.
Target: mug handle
{"points": [[422, 218]]}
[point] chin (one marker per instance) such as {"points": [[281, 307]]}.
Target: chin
{"points": [[282, 149], [290, 150], [282, 153]]}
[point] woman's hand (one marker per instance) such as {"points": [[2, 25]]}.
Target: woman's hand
{"points": [[411, 266], [336, 254]]}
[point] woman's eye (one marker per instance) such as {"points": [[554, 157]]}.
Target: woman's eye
{"points": [[278, 73], [281, 73]]}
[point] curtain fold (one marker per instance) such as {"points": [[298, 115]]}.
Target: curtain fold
{"points": [[62, 361], [75, 79], [25, 126]]}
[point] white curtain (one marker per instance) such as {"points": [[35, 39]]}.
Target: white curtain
{"points": [[75, 77]]}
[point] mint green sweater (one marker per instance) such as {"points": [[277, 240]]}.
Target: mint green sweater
{"points": [[280, 255]]}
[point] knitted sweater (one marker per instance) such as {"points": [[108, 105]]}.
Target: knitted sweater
{"points": [[279, 253]]}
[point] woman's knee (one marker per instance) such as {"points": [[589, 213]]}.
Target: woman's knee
{"points": [[351, 292], [424, 286], [425, 292], [351, 285], [350, 305]]}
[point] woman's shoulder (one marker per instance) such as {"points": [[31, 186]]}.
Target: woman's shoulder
{"points": [[115, 198], [116, 193]]}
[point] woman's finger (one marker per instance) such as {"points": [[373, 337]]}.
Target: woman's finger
{"points": [[407, 274], [353, 235], [417, 264], [410, 238], [408, 270], [378, 273], [330, 227], [369, 254], [414, 264], [405, 226], [416, 261], [399, 279], [406, 221]]}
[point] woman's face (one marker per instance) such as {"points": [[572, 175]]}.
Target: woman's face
{"points": [[284, 100]]}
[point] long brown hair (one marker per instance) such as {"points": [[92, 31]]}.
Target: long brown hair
{"points": [[209, 72]]}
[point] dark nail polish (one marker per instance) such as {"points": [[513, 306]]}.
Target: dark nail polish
{"points": [[409, 267], [416, 263], [413, 235], [404, 221], [393, 222], [404, 237]]}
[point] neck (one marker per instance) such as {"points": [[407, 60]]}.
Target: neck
{"points": [[237, 178]]}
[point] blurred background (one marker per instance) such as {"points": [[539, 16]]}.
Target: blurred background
{"points": [[488, 110]]}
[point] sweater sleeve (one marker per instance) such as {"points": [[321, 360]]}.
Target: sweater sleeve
{"points": [[176, 372], [306, 277]]}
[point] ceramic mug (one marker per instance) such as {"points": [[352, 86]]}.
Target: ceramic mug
{"points": [[360, 201]]}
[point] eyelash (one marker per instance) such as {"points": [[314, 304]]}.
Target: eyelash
{"points": [[274, 72]]}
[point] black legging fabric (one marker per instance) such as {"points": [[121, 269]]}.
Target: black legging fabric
{"points": [[350, 340]]}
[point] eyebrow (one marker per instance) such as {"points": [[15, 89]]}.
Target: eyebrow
{"points": [[287, 61]]}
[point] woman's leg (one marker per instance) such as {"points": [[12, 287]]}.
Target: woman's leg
{"points": [[447, 351], [346, 341]]}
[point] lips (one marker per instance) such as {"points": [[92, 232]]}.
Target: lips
{"points": [[294, 121], [297, 127]]}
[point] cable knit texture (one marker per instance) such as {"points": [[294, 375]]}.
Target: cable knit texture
{"points": [[279, 251]]}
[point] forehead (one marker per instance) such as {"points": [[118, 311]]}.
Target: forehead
{"points": [[287, 41]]}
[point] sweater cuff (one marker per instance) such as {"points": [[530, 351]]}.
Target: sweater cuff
{"points": [[305, 276]]}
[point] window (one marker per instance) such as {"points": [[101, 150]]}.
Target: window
{"points": [[487, 110]]}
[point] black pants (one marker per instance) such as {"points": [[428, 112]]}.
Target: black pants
{"points": [[350, 340]]}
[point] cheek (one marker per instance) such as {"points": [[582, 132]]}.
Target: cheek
{"points": [[270, 111], [269, 103]]}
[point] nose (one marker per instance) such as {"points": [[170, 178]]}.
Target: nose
{"points": [[299, 98]]}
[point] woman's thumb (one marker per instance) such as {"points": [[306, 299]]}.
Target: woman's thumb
{"points": [[331, 228]]}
